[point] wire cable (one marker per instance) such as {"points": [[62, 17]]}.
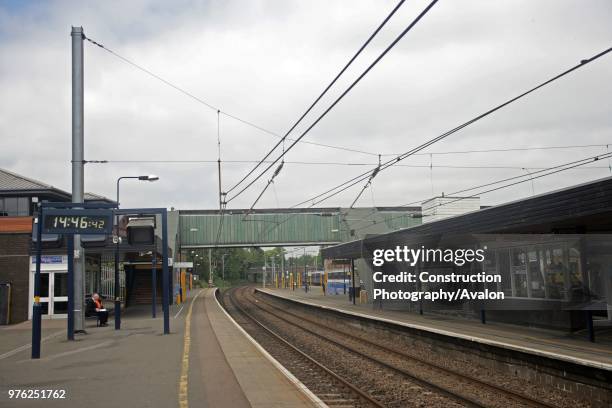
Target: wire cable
{"points": [[518, 149], [554, 169], [368, 184], [342, 71], [355, 180], [345, 164], [526, 178], [210, 105], [587, 160], [359, 78]]}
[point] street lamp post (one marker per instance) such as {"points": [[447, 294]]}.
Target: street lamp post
{"points": [[223, 265], [117, 286]]}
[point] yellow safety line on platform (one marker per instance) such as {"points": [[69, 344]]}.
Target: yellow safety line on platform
{"points": [[183, 394]]}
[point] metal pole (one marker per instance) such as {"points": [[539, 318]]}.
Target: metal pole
{"points": [[78, 166], [165, 275], [154, 280], [117, 286], [303, 274], [70, 250], [220, 193], [344, 276], [264, 272], [590, 328], [223, 266], [353, 278], [210, 275], [36, 309], [219, 160], [282, 265], [293, 271]]}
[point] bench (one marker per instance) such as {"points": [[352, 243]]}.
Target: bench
{"points": [[90, 311]]}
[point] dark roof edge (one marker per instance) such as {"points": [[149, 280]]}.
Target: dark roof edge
{"points": [[293, 210], [348, 247]]}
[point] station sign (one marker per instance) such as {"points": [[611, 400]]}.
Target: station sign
{"points": [[50, 259], [77, 221], [183, 265]]}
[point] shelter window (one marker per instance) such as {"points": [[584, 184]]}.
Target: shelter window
{"points": [[549, 271], [504, 271], [551, 261], [518, 265], [574, 281], [536, 274]]}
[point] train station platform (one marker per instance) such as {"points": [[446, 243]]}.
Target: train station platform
{"points": [[231, 370], [213, 364], [134, 366], [540, 342]]}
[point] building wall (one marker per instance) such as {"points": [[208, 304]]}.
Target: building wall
{"points": [[439, 208], [14, 269]]}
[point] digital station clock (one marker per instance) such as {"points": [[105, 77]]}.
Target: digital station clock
{"points": [[71, 221]]}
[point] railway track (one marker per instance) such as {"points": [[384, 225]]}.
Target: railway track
{"points": [[437, 383], [360, 343], [332, 389], [383, 387]]}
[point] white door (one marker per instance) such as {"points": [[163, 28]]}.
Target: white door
{"points": [[60, 294], [54, 294]]}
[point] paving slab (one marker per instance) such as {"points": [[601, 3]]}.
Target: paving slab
{"points": [[260, 381], [136, 366]]}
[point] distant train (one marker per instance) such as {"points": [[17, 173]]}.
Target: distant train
{"points": [[338, 280]]}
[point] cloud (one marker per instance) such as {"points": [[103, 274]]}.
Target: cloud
{"points": [[265, 61]]}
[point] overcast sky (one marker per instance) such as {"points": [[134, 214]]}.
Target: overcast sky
{"points": [[266, 61]]}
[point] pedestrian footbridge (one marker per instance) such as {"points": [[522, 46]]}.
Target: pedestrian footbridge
{"points": [[288, 226]]}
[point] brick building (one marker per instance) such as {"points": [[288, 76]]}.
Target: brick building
{"points": [[19, 196]]}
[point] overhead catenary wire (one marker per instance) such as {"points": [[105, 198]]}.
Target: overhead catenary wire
{"points": [[342, 95], [416, 166], [345, 164], [525, 178], [512, 149], [368, 184], [327, 88], [355, 180], [270, 182], [552, 169], [212, 106], [529, 175]]}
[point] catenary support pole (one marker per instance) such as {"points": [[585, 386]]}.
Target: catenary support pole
{"points": [[210, 274], [36, 308], [78, 167], [263, 275]]}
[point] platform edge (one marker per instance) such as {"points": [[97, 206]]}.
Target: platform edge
{"points": [[293, 379], [541, 353]]}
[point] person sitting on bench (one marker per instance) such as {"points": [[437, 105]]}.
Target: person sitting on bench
{"points": [[96, 307]]}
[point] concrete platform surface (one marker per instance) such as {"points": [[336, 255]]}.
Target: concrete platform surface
{"points": [[232, 370], [136, 366], [214, 364], [547, 343]]}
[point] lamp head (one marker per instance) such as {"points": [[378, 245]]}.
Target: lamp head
{"points": [[150, 177]]}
